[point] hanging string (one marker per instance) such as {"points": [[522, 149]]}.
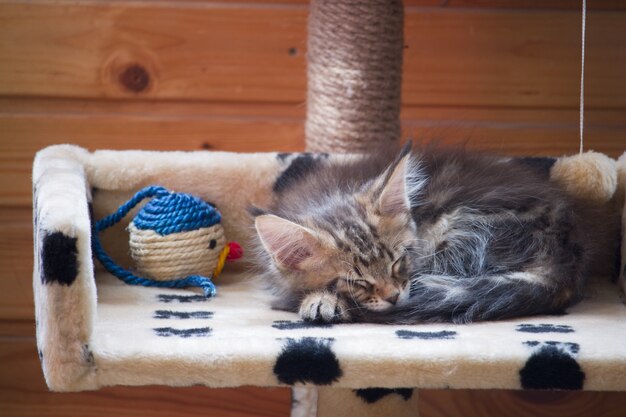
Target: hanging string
{"points": [[582, 75]]}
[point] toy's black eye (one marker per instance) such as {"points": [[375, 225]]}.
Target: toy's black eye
{"points": [[212, 244]]}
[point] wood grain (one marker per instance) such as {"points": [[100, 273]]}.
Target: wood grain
{"points": [[28, 132], [526, 132], [16, 264], [509, 4], [508, 58], [17, 328], [489, 403], [190, 51], [213, 51], [23, 393], [251, 128], [529, 4]]}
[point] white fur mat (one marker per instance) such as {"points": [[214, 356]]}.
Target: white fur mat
{"points": [[93, 330], [140, 338]]}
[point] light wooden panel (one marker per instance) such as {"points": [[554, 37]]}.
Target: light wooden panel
{"points": [[509, 58], [530, 4], [509, 4], [23, 393], [167, 127], [184, 126], [213, 51], [189, 51], [518, 131]]}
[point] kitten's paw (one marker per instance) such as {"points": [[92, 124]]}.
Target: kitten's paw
{"points": [[323, 307]]}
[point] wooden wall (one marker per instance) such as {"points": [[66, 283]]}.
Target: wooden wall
{"points": [[202, 74]]}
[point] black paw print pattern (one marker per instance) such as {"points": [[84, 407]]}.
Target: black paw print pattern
{"points": [[177, 316]]}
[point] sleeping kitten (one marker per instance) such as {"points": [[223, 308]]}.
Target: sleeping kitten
{"points": [[431, 236]]}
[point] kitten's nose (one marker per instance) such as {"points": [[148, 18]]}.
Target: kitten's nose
{"points": [[393, 299]]}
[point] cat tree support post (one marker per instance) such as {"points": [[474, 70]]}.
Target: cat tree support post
{"points": [[354, 75], [354, 68]]}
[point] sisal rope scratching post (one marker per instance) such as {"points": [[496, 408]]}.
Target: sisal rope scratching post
{"points": [[354, 75], [354, 72]]}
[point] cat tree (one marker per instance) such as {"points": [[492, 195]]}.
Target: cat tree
{"points": [[94, 331]]}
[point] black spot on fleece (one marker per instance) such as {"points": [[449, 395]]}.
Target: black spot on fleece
{"points": [[308, 359], [59, 257], [371, 395], [552, 366], [299, 168]]}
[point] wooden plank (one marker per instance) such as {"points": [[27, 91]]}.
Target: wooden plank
{"points": [[55, 107], [26, 133], [23, 393], [492, 4], [513, 59], [530, 4], [518, 131], [190, 51], [17, 328], [501, 403], [215, 51], [189, 126], [16, 264]]}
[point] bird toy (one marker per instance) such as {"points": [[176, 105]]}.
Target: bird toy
{"points": [[176, 241]]}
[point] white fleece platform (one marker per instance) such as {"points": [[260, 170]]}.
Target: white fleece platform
{"points": [[242, 339], [93, 330]]}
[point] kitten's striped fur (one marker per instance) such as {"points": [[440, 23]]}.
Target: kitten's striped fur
{"points": [[433, 236]]}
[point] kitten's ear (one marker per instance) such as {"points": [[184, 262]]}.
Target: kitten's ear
{"points": [[291, 246], [400, 182]]}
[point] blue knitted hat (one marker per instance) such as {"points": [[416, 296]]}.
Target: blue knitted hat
{"points": [[175, 212]]}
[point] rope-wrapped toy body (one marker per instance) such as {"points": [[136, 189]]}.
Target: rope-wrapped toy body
{"points": [[176, 241]]}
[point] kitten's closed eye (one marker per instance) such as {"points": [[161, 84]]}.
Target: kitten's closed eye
{"points": [[399, 268], [362, 283]]}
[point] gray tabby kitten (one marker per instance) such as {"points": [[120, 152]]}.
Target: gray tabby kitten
{"points": [[432, 236]]}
